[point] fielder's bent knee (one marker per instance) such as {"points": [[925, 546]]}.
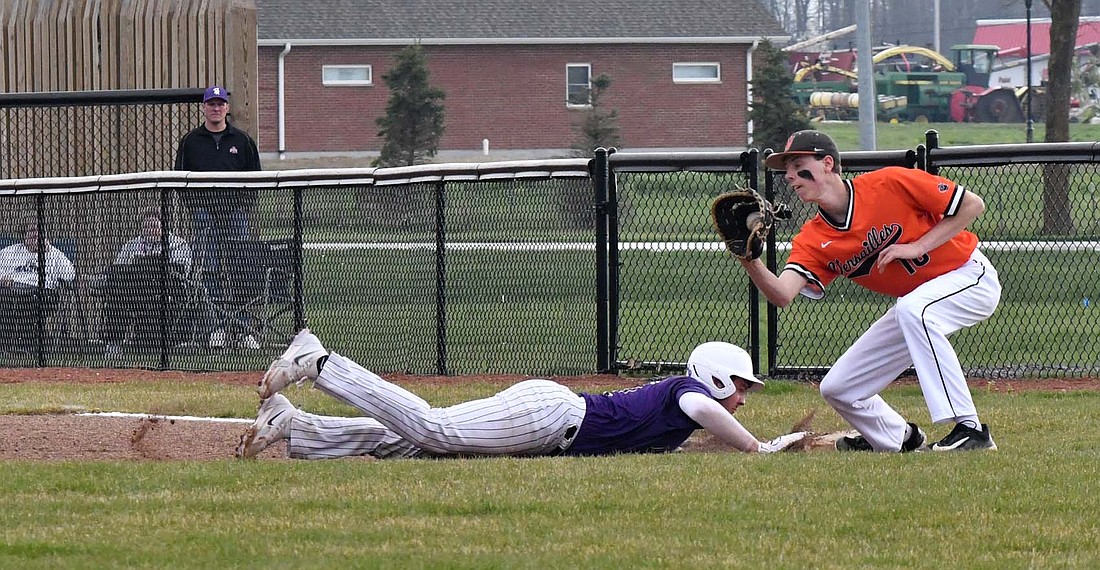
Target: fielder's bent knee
{"points": [[909, 311], [832, 388]]}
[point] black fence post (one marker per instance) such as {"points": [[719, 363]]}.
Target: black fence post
{"points": [[751, 166], [40, 298], [613, 265], [440, 279], [772, 264], [165, 259], [598, 168], [931, 142], [299, 302]]}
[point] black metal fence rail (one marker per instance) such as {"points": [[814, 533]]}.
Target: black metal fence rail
{"points": [[82, 133]]}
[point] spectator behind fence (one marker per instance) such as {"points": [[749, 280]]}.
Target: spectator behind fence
{"points": [[132, 288], [218, 215], [19, 286]]}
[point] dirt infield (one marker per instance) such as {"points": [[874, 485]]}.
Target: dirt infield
{"points": [[80, 437]]}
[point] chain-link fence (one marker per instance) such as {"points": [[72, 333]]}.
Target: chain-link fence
{"points": [[432, 270], [91, 133], [670, 283], [541, 267], [1040, 229]]}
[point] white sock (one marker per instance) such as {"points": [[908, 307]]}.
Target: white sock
{"points": [[970, 421]]}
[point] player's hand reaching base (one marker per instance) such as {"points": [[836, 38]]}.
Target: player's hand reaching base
{"points": [[783, 442]]}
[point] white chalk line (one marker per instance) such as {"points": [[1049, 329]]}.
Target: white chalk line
{"points": [[160, 417], [666, 246]]}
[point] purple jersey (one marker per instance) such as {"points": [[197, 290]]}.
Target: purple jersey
{"points": [[644, 419]]}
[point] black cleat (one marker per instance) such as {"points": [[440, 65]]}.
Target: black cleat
{"points": [[916, 440], [853, 443], [965, 438]]}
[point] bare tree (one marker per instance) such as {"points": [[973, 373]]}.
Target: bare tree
{"points": [[793, 15], [837, 14], [1065, 16], [801, 20], [906, 22]]}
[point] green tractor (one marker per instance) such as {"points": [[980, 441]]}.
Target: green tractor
{"points": [[978, 102], [913, 84]]}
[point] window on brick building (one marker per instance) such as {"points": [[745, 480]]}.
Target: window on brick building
{"points": [[346, 75], [696, 73], [578, 84]]}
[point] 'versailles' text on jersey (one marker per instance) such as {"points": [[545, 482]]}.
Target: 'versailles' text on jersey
{"points": [[644, 419], [885, 207]]}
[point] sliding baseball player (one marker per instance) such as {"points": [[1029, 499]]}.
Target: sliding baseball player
{"points": [[531, 418]]}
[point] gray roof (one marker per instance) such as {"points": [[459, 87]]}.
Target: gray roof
{"points": [[513, 21]]}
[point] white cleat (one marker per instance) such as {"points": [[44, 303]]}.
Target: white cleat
{"points": [[296, 365], [250, 342], [272, 424], [217, 339]]}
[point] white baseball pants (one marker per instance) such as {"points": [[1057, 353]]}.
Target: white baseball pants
{"points": [[914, 333]]}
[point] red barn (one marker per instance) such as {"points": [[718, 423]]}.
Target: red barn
{"points": [[1011, 37]]}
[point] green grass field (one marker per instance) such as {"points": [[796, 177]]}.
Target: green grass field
{"points": [[1030, 505], [909, 135]]}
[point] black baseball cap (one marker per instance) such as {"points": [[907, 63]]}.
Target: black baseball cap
{"points": [[809, 141]]}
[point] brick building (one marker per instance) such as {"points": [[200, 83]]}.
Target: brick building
{"points": [[515, 72]]}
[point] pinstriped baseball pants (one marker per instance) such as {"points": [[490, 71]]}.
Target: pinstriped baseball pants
{"points": [[326, 437], [533, 417]]}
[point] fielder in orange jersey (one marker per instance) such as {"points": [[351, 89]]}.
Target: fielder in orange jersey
{"points": [[899, 232]]}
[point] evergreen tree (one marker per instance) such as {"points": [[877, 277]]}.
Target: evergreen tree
{"points": [[773, 111], [413, 123], [599, 126]]}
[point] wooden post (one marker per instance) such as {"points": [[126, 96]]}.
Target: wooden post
{"points": [[240, 64]]}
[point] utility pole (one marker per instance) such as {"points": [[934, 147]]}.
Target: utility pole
{"points": [[867, 101], [936, 25], [1030, 93]]}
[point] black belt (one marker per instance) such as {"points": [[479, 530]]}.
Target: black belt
{"points": [[570, 432]]}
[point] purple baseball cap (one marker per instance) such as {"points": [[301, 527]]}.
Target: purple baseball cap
{"points": [[215, 92]]}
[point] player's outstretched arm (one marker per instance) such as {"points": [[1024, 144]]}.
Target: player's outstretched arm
{"points": [[718, 422]]}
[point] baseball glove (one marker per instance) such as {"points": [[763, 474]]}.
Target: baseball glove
{"points": [[743, 219]]}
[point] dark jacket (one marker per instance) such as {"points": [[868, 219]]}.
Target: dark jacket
{"points": [[200, 151]]}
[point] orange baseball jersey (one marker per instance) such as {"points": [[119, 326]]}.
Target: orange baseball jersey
{"points": [[888, 206]]}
